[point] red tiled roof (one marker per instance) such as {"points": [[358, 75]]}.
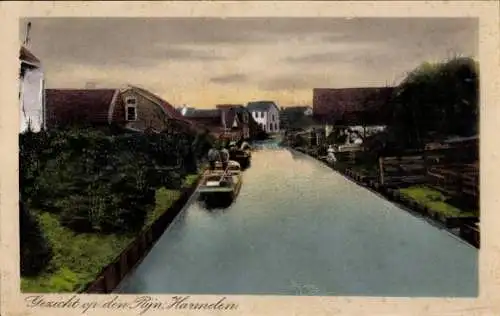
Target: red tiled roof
{"points": [[228, 106], [207, 121], [333, 104], [26, 55], [67, 106]]}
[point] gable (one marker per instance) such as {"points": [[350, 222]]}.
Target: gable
{"points": [[163, 111], [236, 121]]}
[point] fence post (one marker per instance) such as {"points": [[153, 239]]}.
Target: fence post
{"points": [[381, 169]]}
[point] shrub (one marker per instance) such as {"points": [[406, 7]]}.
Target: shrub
{"points": [[35, 251]]}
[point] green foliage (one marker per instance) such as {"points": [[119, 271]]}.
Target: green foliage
{"points": [[437, 100], [35, 250], [77, 259], [164, 199], [93, 189], [435, 201]]}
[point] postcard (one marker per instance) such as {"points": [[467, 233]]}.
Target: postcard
{"points": [[249, 158]]}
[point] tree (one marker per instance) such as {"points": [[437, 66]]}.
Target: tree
{"points": [[436, 100]]}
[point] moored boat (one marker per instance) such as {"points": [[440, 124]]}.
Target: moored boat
{"points": [[220, 187], [242, 156], [233, 167]]}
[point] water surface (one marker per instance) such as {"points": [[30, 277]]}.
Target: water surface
{"points": [[297, 228]]}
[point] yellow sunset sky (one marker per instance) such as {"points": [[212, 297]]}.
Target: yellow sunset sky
{"points": [[205, 61]]}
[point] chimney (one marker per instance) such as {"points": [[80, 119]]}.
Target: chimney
{"points": [[27, 35]]}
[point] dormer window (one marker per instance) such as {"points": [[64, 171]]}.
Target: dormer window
{"points": [[131, 109]]}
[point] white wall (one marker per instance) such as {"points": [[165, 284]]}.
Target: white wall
{"points": [[267, 119], [258, 119], [276, 121], [32, 100]]}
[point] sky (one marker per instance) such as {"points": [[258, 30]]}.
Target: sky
{"points": [[202, 62]]}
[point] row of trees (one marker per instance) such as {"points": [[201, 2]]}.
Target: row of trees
{"points": [[98, 180]]}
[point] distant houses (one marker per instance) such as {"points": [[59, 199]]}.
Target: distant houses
{"points": [[266, 114], [229, 121], [132, 107], [31, 92]]}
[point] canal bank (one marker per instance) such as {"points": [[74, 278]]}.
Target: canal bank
{"points": [[116, 271], [297, 229]]}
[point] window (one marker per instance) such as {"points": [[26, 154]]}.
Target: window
{"points": [[245, 117], [261, 114], [130, 101], [131, 109], [131, 114]]}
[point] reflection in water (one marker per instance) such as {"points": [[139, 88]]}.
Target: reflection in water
{"points": [[297, 228]]}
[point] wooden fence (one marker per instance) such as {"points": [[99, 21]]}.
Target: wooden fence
{"points": [[456, 180], [405, 170], [116, 271], [434, 169]]}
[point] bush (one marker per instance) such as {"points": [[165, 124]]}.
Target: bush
{"points": [[104, 180], [93, 189], [35, 250]]}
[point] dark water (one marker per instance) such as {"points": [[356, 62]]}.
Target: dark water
{"points": [[299, 228]]}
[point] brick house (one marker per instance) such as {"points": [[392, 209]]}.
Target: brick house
{"points": [[352, 106], [132, 107]]}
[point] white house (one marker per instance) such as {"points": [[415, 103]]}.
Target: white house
{"points": [[31, 92], [266, 114]]}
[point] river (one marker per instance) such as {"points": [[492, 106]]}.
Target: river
{"points": [[298, 228]]}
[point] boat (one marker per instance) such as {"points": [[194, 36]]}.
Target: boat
{"points": [[220, 187], [243, 156], [233, 167]]}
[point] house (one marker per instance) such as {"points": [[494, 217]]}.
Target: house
{"points": [[132, 107], [266, 114], [352, 106], [250, 128], [31, 92], [225, 121]]}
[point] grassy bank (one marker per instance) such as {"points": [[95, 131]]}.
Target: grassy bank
{"points": [[435, 201], [79, 257]]}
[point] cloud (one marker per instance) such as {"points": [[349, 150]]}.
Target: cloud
{"points": [[291, 82], [342, 52], [259, 57], [231, 78], [191, 54]]}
